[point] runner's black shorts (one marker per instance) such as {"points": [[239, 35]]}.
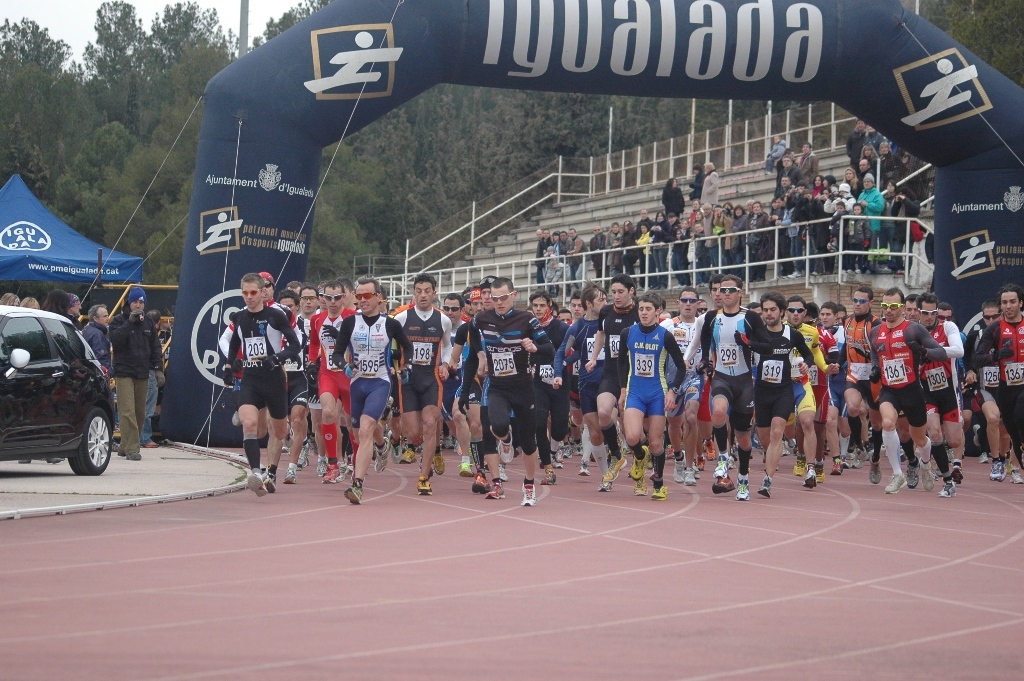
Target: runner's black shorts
{"points": [[909, 399], [610, 382], [774, 402], [266, 390], [739, 390], [298, 389], [423, 390]]}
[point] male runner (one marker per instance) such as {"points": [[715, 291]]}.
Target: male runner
{"points": [[725, 332], [332, 383], [646, 393], [779, 387], [619, 315], [683, 427], [367, 338], [1003, 342], [551, 401], [453, 307], [983, 386], [259, 333], [811, 421], [861, 394], [298, 388], [429, 331], [898, 347], [308, 299], [580, 340], [506, 338], [939, 380]]}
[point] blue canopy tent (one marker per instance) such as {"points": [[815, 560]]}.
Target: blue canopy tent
{"points": [[35, 245]]}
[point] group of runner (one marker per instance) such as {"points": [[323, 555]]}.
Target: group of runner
{"points": [[328, 369]]}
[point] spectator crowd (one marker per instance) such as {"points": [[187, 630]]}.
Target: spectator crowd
{"points": [[813, 214]]}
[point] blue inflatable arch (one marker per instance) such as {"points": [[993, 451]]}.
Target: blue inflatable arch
{"points": [[268, 116]]}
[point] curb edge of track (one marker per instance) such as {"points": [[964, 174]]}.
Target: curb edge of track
{"points": [[65, 509]]}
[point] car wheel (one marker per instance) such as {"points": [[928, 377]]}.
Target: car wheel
{"points": [[94, 449]]}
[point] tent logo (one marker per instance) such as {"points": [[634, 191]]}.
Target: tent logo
{"points": [[974, 252], [352, 49], [24, 236], [270, 177], [222, 228], [935, 78]]}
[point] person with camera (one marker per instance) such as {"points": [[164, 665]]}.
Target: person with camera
{"points": [[136, 351]]}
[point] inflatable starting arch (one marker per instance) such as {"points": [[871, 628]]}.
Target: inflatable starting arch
{"points": [[268, 116]]}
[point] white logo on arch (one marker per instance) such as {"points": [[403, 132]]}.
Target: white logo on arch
{"points": [[211, 321]]}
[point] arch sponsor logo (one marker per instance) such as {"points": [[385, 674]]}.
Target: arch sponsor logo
{"points": [[973, 253], [211, 321], [928, 86], [353, 62], [24, 236], [695, 40], [220, 230]]}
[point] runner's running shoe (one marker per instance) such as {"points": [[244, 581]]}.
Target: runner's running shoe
{"points": [[270, 482], [810, 479], [529, 495], [1016, 478], [380, 458], [480, 484], [465, 470], [606, 486], [690, 477], [303, 456], [1002, 470], [800, 467], [723, 485], [914, 475], [819, 472], [639, 465], [549, 476], [706, 453], [927, 476], [766, 488], [502, 475], [640, 488], [423, 486], [680, 471], [743, 491], [289, 477], [948, 490], [495, 492], [984, 457], [875, 474], [506, 452], [722, 469], [994, 472], [837, 466], [439, 463], [321, 466], [354, 494], [333, 474], [958, 474], [616, 465], [659, 493], [254, 482], [896, 483], [584, 469]]}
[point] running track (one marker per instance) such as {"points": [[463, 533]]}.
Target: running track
{"points": [[842, 582]]}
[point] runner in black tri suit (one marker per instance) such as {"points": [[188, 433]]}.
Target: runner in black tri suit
{"points": [[266, 339], [507, 337], [620, 314]]}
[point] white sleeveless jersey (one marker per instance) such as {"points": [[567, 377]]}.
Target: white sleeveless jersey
{"points": [[685, 334], [371, 349], [730, 358]]}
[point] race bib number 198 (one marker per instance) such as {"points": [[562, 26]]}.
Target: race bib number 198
{"points": [[422, 353]]}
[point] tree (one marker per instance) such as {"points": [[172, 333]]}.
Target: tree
{"points": [[26, 43], [992, 29]]}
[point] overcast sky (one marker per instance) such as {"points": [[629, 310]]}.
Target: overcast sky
{"points": [[72, 20]]}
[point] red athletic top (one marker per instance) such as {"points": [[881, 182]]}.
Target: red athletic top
{"points": [[894, 356]]}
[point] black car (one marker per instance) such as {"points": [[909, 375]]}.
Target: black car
{"points": [[55, 398]]}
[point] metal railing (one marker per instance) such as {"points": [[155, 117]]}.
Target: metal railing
{"points": [[736, 145], [523, 273]]}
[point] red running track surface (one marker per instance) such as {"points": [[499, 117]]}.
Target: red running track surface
{"points": [[839, 582]]}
